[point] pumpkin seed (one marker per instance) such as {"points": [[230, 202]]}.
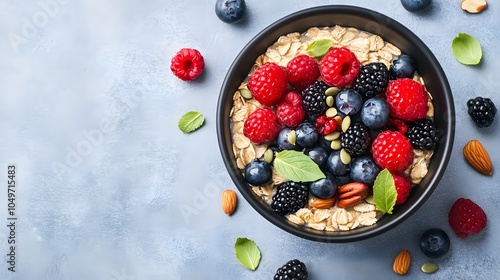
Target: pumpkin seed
{"points": [[429, 267], [346, 123], [333, 136], [331, 112], [345, 157], [332, 91], [247, 94], [370, 200], [292, 137], [268, 156], [329, 101], [336, 145]]}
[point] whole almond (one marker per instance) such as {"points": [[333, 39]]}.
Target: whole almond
{"points": [[473, 6], [477, 156], [402, 262], [323, 203], [229, 202]]}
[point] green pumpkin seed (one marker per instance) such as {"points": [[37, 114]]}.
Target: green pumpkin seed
{"points": [[331, 112], [292, 137], [345, 157], [346, 123], [247, 94], [268, 156], [336, 145], [329, 101], [332, 91], [333, 136], [429, 268], [370, 200]]}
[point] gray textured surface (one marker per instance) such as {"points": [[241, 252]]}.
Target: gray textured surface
{"points": [[99, 70]]}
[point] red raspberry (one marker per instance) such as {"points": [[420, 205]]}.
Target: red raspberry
{"points": [[407, 99], [466, 218], [339, 67], [261, 126], [302, 71], [403, 187], [289, 111], [392, 150], [325, 125], [397, 125], [187, 64], [268, 83]]}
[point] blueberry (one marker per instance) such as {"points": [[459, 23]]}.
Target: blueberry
{"points": [[317, 154], [403, 67], [324, 188], [416, 5], [325, 144], [434, 243], [230, 11], [342, 180], [283, 142], [375, 112], [348, 101], [335, 165], [306, 135], [258, 172], [364, 170]]}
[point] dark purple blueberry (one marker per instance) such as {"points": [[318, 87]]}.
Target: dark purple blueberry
{"points": [[434, 243], [283, 142], [402, 67], [324, 188], [416, 5], [344, 179], [335, 165], [375, 112], [364, 170], [317, 154], [348, 101], [307, 136], [230, 11], [258, 172]]}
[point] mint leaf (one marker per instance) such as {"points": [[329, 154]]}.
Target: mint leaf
{"points": [[297, 167], [384, 192], [247, 253], [466, 49], [319, 47], [191, 121]]}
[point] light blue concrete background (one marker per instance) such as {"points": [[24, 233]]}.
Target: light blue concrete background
{"points": [[89, 111]]}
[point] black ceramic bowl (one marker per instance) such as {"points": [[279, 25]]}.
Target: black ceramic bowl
{"points": [[391, 31]]}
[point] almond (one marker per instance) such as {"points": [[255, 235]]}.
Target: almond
{"points": [[473, 6], [229, 202], [477, 156], [402, 262], [323, 203]]}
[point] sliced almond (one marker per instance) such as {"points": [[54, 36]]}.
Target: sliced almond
{"points": [[473, 6]]}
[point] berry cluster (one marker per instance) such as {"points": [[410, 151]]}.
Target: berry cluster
{"points": [[333, 106]]}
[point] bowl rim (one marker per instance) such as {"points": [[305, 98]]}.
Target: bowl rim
{"points": [[222, 124]]}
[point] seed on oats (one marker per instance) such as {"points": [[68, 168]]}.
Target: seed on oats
{"points": [[269, 156], [331, 112], [332, 91], [292, 137], [336, 144], [429, 268], [345, 157], [370, 200], [333, 136], [329, 101], [346, 123], [247, 94]]}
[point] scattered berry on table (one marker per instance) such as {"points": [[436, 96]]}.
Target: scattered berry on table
{"points": [[290, 197], [284, 137], [324, 188], [339, 67], [402, 67], [261, 126], [423, 134], [407, 99], [392, 150], [364, 170], [482, 111], [375, 112], [356, 140], [317, 154], [372, 80], [258, 172], [292, 270], [325, 125], [416, 5], [348, 101], [302, 71], [307, 136], [187, 64], [466, 218], [403, 187], [434, 243], [289, 110], [230, 11], [335, 164], [314, 98], [268, 83]]}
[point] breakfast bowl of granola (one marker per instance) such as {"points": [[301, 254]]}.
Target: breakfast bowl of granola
{"points": [[336, 123]]}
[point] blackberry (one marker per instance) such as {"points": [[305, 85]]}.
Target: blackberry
{"points": [[356, 140], [314, 98], [482, 111], [422, 134], [292, 270], [290, 197], [372, 80]]}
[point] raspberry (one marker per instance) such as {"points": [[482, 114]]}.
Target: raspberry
{"points": [[302, 71], [466, 218], [396, 125], [407, 99], [325, 125], [392, 150], [403, 187], [187, 64], [289, 111], [268, 84], [261, 126], [339, 67]]}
